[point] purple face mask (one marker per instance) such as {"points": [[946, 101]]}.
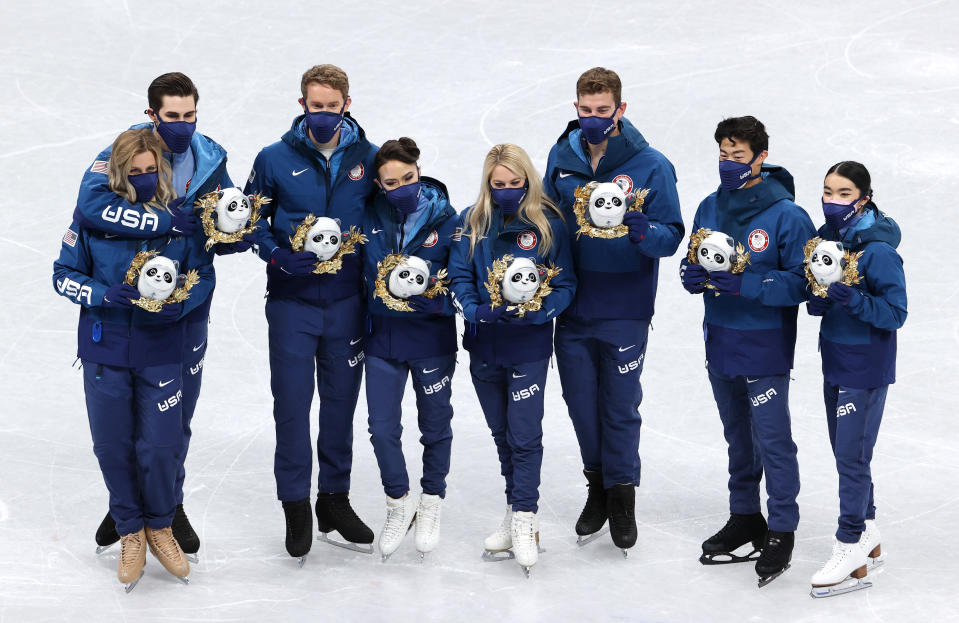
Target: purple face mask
{"points": [[734, 175], [405, 198], [176, 134], [840, 216], [323, 125], [597, 129], [145, 185], [508, 199]]}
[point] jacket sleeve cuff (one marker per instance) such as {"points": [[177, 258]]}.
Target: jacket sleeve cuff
{"points": [[751, 286]]}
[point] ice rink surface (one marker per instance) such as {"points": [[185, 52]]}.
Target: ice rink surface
{"points": [[871, 81]]}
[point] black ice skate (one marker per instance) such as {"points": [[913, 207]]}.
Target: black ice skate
{"points": [[299, 529], [720, 549], [589, 526], [621, 505], [777, 552], [106, 534], [334, 514], [185, 535]]}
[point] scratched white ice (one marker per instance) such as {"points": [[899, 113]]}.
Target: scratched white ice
{"points": [[871, 81]]}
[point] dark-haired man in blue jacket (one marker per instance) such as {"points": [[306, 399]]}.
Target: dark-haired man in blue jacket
{"points": [[750, 332]]}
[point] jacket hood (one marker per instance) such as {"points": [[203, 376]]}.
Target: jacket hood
{"points": [[882, 229], [741, 205]]}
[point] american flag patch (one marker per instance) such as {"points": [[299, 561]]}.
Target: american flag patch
{"points": [[457, 234], [100, 166], [70, 238]]}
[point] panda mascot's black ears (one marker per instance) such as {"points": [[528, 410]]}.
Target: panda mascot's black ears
{"points": [[429, 265], [219, 195], [338, 223], [732, 249], [843, 263]]}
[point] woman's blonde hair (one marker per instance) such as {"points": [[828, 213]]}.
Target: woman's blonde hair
{"points": [[533, 208], [128, 145]]}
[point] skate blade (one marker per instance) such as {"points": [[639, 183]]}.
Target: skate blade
{"points": [[589, 538], [132, 585], [497, 555], [526, 572], [846, 586], [728, 558], [625, 552], [764, 580], [300, 561], [362, 548], [875, 565], [185, 579], [102, 548], [193, 558]]}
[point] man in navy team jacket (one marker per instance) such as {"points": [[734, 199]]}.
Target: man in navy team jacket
{"points": [[323, 166], [601, 338]]}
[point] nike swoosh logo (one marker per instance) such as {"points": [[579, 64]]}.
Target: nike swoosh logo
{"points": [[295, 173], [842, 391], [356, 341], [425, 371], [550, 313], [562, 175], [199, 346], [375, 231], [623, 350], [165, 383], [749, 380], [110, 235], [518, 376]]}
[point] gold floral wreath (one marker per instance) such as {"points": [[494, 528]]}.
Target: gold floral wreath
{"points": [[582, 194], [495, 279], [737, 266], [207, 205], [335, 263], [152, 305], [850, 272], [383, 269]]}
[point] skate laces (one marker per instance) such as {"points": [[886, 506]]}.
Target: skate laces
{"points": [[129, 543], [394, 527], [163, 541]]}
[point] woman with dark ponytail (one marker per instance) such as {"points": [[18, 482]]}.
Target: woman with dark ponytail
{"points": [[412, 327], [857, 339]]}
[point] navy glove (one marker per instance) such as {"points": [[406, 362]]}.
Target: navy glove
{"points": [[170, 312], [843, 294], [693, 277], [638, 224], [427, 305], [818, 306], [297, 264], [229, 248], [486, 313], [726, 283], [513, 317], [182, 223], [119, 295]]}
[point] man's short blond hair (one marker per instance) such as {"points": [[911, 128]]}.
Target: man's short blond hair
{"points": [[330, 75]]}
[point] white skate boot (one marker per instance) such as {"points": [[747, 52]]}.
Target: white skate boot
{"points": [[428, 523], [400, 515], [844, 572], [869, 541], [525, 536], [498, 545]]}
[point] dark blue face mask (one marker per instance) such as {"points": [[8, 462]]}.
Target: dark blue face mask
{"points": [[405, 198], [597, 129], [508, 199], [323, 125], [176, 134], [145, 185], [734, 175], [840, 216]]}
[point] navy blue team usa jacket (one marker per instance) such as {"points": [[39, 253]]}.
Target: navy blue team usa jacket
{"points": [[754, 333], [616, 278], [99, 208], [858, 343], [301, 181], [409, 335], [503, 342], [90, 262]]}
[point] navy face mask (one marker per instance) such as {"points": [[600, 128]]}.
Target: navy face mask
{"points": [[840, 216], [323, 125], [405, 198], [508, 199], [734, 175], [176, 134], [597, 129], [145, 185]]}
